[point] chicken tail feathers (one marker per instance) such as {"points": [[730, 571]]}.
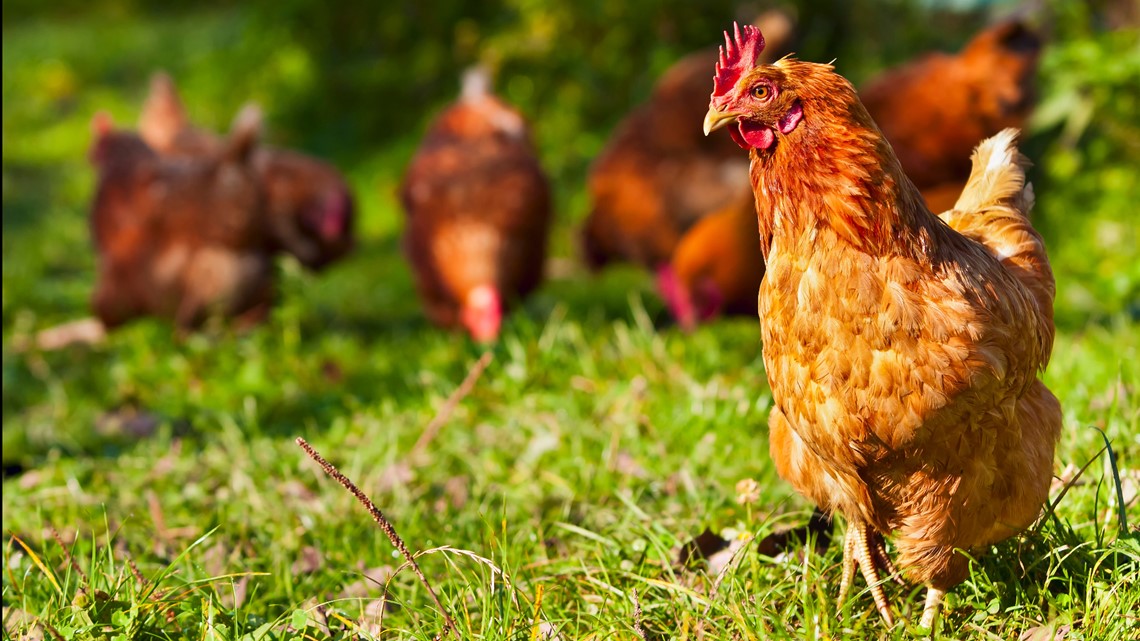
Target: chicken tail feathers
{"points": [[998, 177], [993, 210]]}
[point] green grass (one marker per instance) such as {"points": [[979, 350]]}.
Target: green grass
{"points": [[597, 442]]}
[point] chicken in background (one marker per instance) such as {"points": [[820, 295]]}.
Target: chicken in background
{"points": [[716, 268], [179, 239], [478, 212], [933, 111], [309, 203], [902, 350], [658, 175]]}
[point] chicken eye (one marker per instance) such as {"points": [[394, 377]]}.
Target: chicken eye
{"points": [[760, 92]]}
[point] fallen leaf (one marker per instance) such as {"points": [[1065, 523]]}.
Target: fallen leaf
{"points": [[30, 479], [21, 625], [372, 582], [626, 465], [545, 631], [215, 560], [1046, 632], [1130, 486], [706, 544], [394, 476], [127, 422], [784, 540], [233, 597], [294, 489], [1064, 478], [719, 560], [86, 331], [331, 371], [309, 561]]}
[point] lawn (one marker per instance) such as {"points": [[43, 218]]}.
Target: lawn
{"points": [[153, 488]]}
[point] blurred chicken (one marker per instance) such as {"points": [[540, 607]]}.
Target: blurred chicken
{"points": [[933, 111], [178, 239], [658, 175], [902, 349], [478, 212], [309, 204], [716, 268]]}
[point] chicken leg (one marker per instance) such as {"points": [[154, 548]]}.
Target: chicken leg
{"points": [[863, 546], [930, 610]]}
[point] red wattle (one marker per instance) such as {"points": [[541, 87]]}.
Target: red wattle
{"points": [[758, 136], [734, 132]]}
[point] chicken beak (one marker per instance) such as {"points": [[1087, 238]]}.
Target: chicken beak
{"points": [[715, 119]]}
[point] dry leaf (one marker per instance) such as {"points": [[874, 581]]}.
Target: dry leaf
{"points": [[309, 561], [395, 475], [127, 422], [782, 541], [371, 583], [545, 632], [718, 561], [21, 625], [701, 548], [233, 597], [1046, 633], [626, 465]]}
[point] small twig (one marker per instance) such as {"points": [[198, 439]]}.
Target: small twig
{"points": [[67, 555], [452, 402], [637, 617], [386, 526]]}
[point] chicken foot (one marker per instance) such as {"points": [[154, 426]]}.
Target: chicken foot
{"points": [[863, 546], [930, 610]]}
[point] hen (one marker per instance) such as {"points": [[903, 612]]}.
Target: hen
{"points": [[716, 267], [309, 205], [478, 212], [936, 109], [178, 239], [902, 349], [658, 175], [932, 111]]}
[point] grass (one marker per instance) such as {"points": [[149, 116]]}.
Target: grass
{"points": [[595, 444]]}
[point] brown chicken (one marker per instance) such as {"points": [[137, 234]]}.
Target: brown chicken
{"points": [[658, 175], [178, 239], [716, 268], [478, 212], [309, 204], [933, 111], [902, 349]]}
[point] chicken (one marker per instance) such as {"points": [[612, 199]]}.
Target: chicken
{"points": [[309, 204], [178, 239], [936, 109], [658, 175], [902, 349], [925, 110], [717, 267], [478, 212]]}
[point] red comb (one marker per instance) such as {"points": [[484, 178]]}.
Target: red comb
{"points": [[738, 55]]}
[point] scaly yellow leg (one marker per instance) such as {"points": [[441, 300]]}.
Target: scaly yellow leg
{"points": [[857, 551], [930, 610]]}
